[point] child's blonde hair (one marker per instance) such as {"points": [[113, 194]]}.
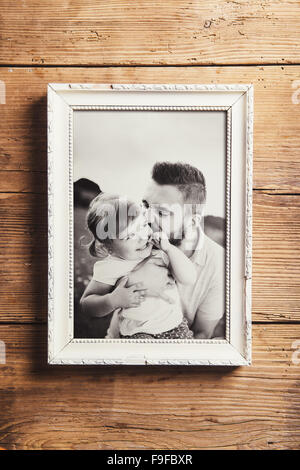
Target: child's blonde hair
{"points": [[107, 217]]}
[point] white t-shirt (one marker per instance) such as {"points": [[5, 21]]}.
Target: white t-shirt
{"points": [[109, 269], [206, 298], [154, 315]]}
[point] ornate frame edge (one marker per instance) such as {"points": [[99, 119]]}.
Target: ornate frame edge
{"points": [[248, 231], [228, 156], [50, 176], [164, 87], [248, 89]]}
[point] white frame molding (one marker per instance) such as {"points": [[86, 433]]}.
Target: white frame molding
{"points": [[237, 102]]}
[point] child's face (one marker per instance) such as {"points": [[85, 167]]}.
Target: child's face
{"points": [[134, 242]]}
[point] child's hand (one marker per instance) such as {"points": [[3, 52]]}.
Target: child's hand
{"points": [[127, 297], [161, 241]]}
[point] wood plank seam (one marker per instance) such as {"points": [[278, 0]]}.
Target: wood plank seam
{"points": [[141, 65]]}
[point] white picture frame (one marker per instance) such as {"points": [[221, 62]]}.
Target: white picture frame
{"points": [[237, 102]]}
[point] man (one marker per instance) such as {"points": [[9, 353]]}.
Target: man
{"points": [[175, 198]]}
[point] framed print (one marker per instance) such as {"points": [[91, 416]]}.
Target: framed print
{"points": [[150, 224]]}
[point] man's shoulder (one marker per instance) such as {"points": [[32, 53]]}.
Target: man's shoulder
{"points": [[214, 254], [212, 246]]}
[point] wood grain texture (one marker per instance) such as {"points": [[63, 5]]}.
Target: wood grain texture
{"points": [[122, 32], [23, 181], [156, 408], [45, 407], [23, 257], [23, 143], [276, 256]]}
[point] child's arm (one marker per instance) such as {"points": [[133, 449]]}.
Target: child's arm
{"points": [[99, 300], [182, 268]]}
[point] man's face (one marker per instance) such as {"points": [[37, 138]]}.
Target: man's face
{"points": [[166, 210]]}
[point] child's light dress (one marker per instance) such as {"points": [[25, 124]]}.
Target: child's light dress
{"points": [[155, 317]]}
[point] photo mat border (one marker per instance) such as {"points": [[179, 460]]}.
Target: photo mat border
{"points": [[228, 158]]}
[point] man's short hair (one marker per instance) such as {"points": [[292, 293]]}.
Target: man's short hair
{"points": [[187, 179]]}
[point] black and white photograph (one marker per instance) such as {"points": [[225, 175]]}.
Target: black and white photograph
{"points": [[149, 224]]}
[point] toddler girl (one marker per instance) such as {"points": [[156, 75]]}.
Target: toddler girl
{"points": [[123, 243]]}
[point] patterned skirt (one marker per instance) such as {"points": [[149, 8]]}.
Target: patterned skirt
{"points": [[181, 331]]}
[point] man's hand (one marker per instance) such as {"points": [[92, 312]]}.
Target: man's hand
{"points": [[156, 279], [127, 297]]}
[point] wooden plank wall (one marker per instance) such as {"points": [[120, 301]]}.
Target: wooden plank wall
{"points": [[44, 407]]}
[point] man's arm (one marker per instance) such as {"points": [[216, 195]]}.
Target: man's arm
{"points": [[155, 278], [212, 307]]}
